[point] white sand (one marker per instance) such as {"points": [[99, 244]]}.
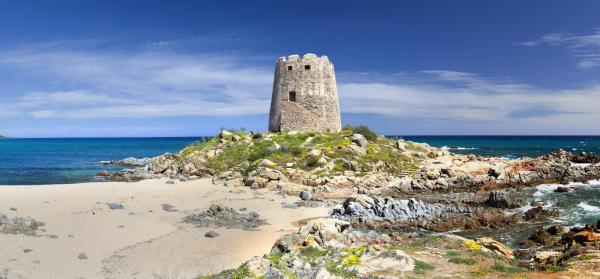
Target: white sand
{"points": [[141, 240]]}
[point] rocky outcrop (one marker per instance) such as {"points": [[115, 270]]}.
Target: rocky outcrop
{"points": [[412, 214], [19, 225], [127, 162]]}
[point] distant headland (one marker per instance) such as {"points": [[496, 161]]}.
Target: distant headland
{"points": [[3, 137]]}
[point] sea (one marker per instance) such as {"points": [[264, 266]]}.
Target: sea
{"points": [[76, 160]]}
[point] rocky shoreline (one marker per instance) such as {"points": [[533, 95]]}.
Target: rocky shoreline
{"points": [[380, 188]]}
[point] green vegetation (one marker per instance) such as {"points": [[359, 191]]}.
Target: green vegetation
{"points": [[479, 271], [453, 253], [363, 130], [312, 254], [336, 268], [243, 152], [579, 258], [507, 269], [461, 260], [422, 267]]}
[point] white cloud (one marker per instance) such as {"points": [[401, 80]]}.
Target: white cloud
{"points": [[586, 48], [112, 84]]}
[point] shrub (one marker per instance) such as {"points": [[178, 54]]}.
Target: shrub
{"points": [[422, 267], [459, 260], [363, 130]]}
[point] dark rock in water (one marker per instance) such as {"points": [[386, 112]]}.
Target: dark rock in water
{"points": [[540, 214], [561, 189], [584, 158], [221, 216], [128, 162], [82, 256], [305, 195], [556, 230], [211, 234], [114, 206], [103, 173], [501, 199], [542, 237]]}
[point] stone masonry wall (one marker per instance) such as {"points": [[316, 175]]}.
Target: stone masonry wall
{"points": [[312, 79]]}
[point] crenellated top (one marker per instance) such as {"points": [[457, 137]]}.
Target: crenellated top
{"points": [[296, 58]]}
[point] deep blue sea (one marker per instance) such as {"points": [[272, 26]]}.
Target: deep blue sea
{"points": [[58, 161]]}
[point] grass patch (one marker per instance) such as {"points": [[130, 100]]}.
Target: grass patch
{"points": [[507, 269], [479, 271], [422, 267], [363, 130], [556, 268], [461, 260], [580, 258], [312, 254], [335, 268], [452, 253]]}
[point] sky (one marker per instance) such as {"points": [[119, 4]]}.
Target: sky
{"points": [[189, 68]]}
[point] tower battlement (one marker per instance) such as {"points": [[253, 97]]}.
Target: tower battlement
{"points": [[304, 95]]}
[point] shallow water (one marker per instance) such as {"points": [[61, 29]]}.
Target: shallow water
{"points": [[59, 161]]}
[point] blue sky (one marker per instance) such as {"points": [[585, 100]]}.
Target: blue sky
{"points": [[179, 68]]}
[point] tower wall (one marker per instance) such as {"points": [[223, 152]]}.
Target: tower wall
{"points": [[311, 80]]}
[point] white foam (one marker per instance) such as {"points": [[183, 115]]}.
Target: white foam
{"points": [[588, 207], [545, 189], [459, 148]]}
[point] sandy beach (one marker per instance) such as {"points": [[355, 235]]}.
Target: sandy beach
{"points": [[84, 238]]}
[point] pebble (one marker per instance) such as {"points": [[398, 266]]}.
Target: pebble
{"points": [[114, 206], [82, 256], [305, 195]]}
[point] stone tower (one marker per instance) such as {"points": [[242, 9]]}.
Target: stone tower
{"points": [[304, 95]]}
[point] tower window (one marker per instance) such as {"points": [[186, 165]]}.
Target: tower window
{"points": [[292, 97], [289, 68], [307, 67]]}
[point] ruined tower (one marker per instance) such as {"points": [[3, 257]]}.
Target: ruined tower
{"points": [[304, 95]]}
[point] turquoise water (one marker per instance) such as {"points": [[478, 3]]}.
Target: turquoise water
{"points": [[512, 146], [58, 161]]}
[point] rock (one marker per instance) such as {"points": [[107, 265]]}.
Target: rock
{"points": [[539, 214], [546, 256], [305, 195], [395, 262], [27, 251], [322, 273], [360, 140], [82, 256], [258, 266], [401, 145], [501, 199], [225, 134], [315, 152], [267, 163], [222, 216], [585, 236], [128, 162], [556, 230], [168, 208], [193, 177], [561, 189], [170, 181], [114, 206], [357, 150], [103, 173], [495, 246], [211, 234], [329, 229]]}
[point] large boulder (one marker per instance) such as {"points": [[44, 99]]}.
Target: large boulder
{"points": [[360, 140], [395, 262], [495, 247]]}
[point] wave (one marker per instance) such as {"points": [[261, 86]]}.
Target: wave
{"points": [[459, 148], [587, 207]]}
